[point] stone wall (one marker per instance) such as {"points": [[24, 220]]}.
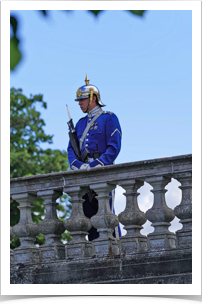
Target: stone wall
{"points": [[161, 257]]}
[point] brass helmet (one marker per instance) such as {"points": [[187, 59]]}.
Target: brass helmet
{"points": [[87, 91]]}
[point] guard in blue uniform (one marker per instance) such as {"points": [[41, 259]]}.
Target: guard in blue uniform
{"points": [[100, 133]]}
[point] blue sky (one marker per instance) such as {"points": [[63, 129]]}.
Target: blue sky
{"points": [[142, 67]]}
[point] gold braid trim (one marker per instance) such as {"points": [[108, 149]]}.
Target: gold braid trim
{"points": [[91, 92]]}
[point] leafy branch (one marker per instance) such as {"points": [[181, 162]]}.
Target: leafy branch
{"points": [[15, 53]]}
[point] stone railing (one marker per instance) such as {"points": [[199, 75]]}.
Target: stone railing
{"points": [[102, 180]]}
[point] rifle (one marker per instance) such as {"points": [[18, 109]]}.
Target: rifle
{"points": [[75, 146], [74, 141]]}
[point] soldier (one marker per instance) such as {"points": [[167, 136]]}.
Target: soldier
{"points": [[102, 140]]}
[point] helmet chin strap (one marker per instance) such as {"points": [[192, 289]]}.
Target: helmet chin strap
{"points": [[91, 98], [88, 107]]}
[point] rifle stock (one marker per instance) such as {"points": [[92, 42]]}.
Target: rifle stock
{"points": [[75, 143]]}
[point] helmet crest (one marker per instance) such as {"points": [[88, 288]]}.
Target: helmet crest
{"points": [[87, 80]]}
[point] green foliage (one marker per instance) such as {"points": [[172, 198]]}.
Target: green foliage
{"points": [[26, 134], [66, 237], [95, 12], [44, 13], [40, 239], [27, 158], [38, 210], [64, 208], [15, 54], [138, 13], [15, 242], [14, 213]]}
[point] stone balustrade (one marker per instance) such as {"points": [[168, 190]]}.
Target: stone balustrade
{"points": [[130, 176]]}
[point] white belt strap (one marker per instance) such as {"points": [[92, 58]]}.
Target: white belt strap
{"points": [[88, 127]]}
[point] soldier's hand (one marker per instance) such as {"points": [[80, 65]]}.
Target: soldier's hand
{"points": [[84, 166]]}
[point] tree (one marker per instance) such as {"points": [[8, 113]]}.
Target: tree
{"points": [[26, 156], [15, 53]]}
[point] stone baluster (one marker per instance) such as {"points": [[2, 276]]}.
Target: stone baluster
{"points": [[132, 218], [26, 230], [51, 227], [105, 222], [160, 215], [184, 210], [78, 225]]}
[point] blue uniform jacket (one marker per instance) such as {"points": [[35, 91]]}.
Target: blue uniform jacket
{"points": [[105, 132]]}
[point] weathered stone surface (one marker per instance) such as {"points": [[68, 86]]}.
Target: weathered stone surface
{"points": [[136, 170], [78, 225], [106, 260], [160, 216], [184, 210], [105, 222], [77, 221], [133, 219], [26, 230], [169, 267], [51, 227]]}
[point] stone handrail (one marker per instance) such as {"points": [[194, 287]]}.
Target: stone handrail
{"points": [[130, 176]]}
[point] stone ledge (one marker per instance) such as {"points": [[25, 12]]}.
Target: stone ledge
{"points": [[116, 173], [176, 159], [169, 279], [170, 267]]}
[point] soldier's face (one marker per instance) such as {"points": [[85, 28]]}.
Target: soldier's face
{"points": [[83, 103]]}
